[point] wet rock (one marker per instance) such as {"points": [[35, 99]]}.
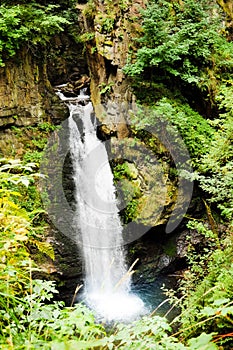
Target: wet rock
{"points": [[73, 89], [66, 59], [164, 262], [81, 83], [186, 238], [26, 96]]}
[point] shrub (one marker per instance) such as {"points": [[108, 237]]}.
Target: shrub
{"points": [[30, 24]]}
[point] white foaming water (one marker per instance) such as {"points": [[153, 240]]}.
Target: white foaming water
{"points": [[107, 283]]}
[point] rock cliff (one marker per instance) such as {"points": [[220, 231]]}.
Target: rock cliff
{"points": [[27, 99], [112, 28]]}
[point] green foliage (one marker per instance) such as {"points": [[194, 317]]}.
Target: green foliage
{"points": [[30, 319], [38, 322], [178, 39], [29, 24], [128, 190], [46, 127], [194, 129], [223, 58], [208, 294], [105, 88], [183, 45], [147, 333], [51, 325], [89, 36], [224, 95], [106, 22], [215, 169], [203, 342], [21, 200], [89, 9], [19, 173], [124, 4], [16, 229], [34, 140], [40, 143], [122, 170], [21, 181], [32, 156], [183, 51], [180, 121]]}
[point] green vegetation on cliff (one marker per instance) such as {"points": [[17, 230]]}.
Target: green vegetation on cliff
{"points": [[186, 61], [31, 24], [183, 71]]}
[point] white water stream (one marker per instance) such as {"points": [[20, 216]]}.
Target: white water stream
{"points": [[99, 230]]}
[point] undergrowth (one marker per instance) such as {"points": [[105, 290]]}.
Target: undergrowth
{"points": [[30, 318]]}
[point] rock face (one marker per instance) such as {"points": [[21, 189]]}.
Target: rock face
{"points": [[25, 92], [66, 61], [110, 31], [112, 27], [26, 99], [227, 7]]}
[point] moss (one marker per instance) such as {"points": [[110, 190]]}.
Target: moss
{"points": [[170, 247]]}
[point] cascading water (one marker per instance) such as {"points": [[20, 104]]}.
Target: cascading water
{"points": [[99, 230]]}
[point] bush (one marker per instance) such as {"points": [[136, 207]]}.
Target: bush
{"points": [[207, 302], [27, 24], [178, 40]]}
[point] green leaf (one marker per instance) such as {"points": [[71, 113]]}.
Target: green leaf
{"points": [[219, 302], [203, 342], [208, 311]]}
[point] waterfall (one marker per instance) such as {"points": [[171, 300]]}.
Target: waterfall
{"points": [[107, 287]]}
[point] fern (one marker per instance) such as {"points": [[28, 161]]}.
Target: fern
{"points": [[44, 247]]}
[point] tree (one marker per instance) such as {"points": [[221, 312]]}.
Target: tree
{"points": [[28, 24], [178, 40]]}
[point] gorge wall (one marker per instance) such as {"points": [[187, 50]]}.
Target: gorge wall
{"points": [[113, 28], [28, 98]]}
